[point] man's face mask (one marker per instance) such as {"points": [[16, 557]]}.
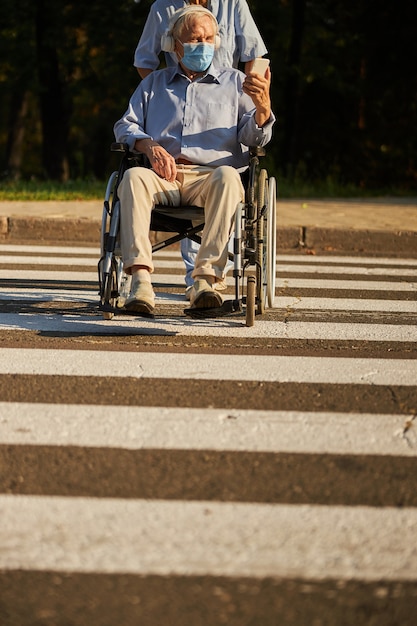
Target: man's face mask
{"points": [[197, 56]]}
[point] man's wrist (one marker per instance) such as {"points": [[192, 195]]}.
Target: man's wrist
{"points": [[145, 146], [262, 117]]}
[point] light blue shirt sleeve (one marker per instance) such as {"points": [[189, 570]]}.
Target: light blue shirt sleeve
{"points": [[209, 121], [149, 46], [240, 38], [249, 42]]}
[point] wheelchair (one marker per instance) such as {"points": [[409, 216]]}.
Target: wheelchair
{"points": [[254, 241]]}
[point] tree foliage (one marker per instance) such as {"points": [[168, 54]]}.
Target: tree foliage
{"points": [[343, 87]]}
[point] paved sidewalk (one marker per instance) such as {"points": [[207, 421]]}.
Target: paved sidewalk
{"points": [[370, 226]]}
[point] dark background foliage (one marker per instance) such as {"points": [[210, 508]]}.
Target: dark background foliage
{"points": [[344, 87]]}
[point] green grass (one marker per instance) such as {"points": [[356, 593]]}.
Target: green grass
{"points": [[27, 191], [30, 191]]}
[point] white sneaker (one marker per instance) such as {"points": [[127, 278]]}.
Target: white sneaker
{"points": [[141, 298], [203, 296]]}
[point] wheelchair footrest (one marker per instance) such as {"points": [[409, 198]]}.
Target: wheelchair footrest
{"points": [[107, 308], [228, 307]]}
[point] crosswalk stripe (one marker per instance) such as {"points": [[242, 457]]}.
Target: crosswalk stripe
{"points": [[348, 285], [307, 260], [197, 328], [175, 262], [205, 429], [332, 370], [353, 261], [354, 270], [58, 276], [46, 294], [49, 295], [44, 260], [238, 539], [50, 250], [345, 304], [177, 279]]}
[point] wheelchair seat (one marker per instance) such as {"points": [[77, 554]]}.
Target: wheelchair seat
{"points": [[176, 219]]}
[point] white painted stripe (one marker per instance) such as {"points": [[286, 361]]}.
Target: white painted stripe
{"points": [[137, 428], [173, 262], [349, 285], [172, 252], [94, 250], [176, 263], [48, 295], [345, 304], [280, 302], [222, 327], [209, 367], [62, 275], [178, 279], [64, 272], [309, 259], [75, 260], [355, 270], [53, 261], [207, 538], [73, 295], [58, 276]]}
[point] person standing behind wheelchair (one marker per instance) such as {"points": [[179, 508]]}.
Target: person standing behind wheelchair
{"points": [[241, 43], [194, 122]]}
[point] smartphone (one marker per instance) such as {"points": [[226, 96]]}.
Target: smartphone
{"points": [[260, 66]]}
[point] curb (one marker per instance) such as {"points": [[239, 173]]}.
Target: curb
{"points": [[289, 238], [46, 230], [347, 241]]}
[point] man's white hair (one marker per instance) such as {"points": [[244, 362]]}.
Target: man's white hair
{"points": [[187, 16]]}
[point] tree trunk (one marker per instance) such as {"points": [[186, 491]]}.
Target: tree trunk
{"points": [[54, 112], [16, 134], [292, 93]]}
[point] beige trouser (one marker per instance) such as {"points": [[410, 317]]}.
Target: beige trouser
{"points": [[219, 190]]}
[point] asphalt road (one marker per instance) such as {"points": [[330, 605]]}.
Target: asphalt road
{"points": [[199, 472]]}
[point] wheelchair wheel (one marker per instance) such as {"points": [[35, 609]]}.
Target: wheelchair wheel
{"points": [[106, 217], [262, 242], [110, 265], [271, 237], [250, 300]]}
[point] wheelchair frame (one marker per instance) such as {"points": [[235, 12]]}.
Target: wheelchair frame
{"points": [[254, 246]]}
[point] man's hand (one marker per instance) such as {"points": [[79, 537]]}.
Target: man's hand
{"points": [[161, 161], [257, 87]]}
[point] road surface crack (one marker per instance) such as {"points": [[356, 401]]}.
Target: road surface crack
{"points": [[407, 433]]}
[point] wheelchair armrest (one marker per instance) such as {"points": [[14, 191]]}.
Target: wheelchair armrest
{"points": [[119, 147], [254, 151], [138, 157]]}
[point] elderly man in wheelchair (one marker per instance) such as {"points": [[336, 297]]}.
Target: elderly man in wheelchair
{"points": [[193, 123]]}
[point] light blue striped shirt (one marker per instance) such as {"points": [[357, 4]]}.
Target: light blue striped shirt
{"points": [[209, 121], [239, 36]]}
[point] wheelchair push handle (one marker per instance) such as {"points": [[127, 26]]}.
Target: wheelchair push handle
{"points": [[257, 151]]}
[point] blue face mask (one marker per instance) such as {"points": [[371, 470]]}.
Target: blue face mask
{"points": [[197, 56]]}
